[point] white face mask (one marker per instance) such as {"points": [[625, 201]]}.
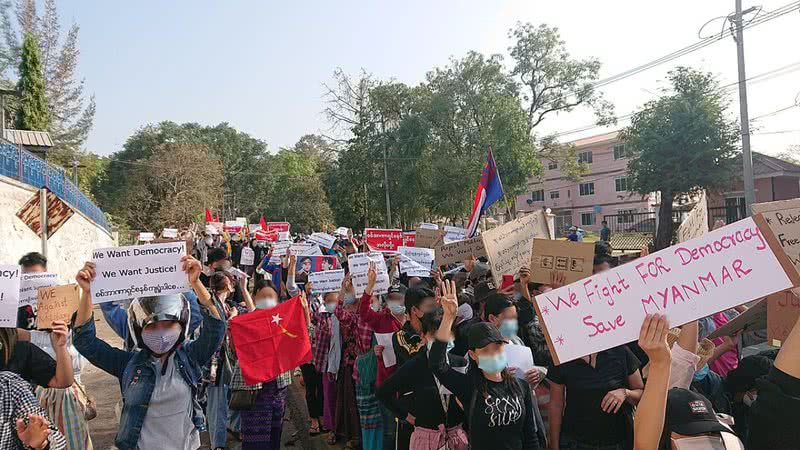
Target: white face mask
{"points": [[209, 241], [267, 303]]}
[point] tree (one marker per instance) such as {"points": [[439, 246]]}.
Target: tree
{"points": [[791, 154], [32, 113], [296, 194], [682, 142]]}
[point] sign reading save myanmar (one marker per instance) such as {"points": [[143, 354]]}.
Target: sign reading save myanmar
{"points": [[382, 240], [724, 268]]}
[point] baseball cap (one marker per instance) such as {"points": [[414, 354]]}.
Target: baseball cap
{"points": [[483, 290], [482, 334], [689, 413], [397, 290]]}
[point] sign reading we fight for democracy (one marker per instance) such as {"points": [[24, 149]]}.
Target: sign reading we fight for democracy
{"points": [[717, 271], [138, 271]]}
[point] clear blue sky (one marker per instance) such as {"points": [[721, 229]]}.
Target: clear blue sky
{"points": [[260, 65]]}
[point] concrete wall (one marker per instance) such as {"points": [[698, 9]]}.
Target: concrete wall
{"points": [[67, 249]]}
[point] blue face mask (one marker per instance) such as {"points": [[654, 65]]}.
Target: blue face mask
{"points": [[330, 307], [509, 327], [700, 374], [493, 364], [396, 307], [349, 298]]}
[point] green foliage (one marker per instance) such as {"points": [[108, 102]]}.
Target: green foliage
{"points": [[33, 113], [681, 142]]}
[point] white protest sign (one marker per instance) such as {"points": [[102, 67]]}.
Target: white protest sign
{"points": [[169, 233], [520, 358], [138, 271], [342, 231], [326, 281], [696, 223], [452, 234], [359, 266], [305, 249], [147, 237], [717, 271], [416, 259], [279, 250], [29, 284], [509, 246], [428, 226], [284, 236], [385, 340], [324, 240], [241, 221], [9, 295], [248, 257], [458, 251]]}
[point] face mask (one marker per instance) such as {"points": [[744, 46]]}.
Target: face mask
{"points": [[161, 341], [209, 241], [375, 307], [330, 307], [493, 364], [396, 307], [700, 374], [349, 298], [749, 398], [509, 327], [267, 303]]}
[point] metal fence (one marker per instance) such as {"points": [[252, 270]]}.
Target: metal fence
{"points": [[29, 169], [728, 214]]}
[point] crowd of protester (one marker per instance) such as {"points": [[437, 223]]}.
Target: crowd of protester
{"points": [[449, 387]]}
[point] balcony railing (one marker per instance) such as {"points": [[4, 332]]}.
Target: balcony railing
{"points": [[29, 169]]}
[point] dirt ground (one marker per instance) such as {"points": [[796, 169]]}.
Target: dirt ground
{"points": [[105, 389]]}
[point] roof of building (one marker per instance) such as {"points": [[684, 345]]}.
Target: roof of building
{"points": [[596, 139], [28, 138], [769, 165]]}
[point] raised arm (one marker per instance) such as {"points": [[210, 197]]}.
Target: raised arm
{"points": [[364, 309], [649, 421], [193, 269], [458, 383]]}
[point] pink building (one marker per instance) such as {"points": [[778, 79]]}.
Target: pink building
{"points": [[603, 191]]}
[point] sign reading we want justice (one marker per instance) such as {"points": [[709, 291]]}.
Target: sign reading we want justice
{"points": [[690, 280]]}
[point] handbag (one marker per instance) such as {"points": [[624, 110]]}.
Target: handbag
{"points": [[243, 400]]}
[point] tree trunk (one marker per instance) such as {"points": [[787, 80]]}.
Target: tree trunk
{"points": [[663, 237]]}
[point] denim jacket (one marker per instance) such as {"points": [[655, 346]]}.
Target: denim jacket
{"points": [[137, 376]]}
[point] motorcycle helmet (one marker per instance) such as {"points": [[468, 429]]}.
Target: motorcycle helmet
{"points": [[146, 310]]}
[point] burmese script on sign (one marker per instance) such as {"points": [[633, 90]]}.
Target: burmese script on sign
{"points": [[693, 279]]}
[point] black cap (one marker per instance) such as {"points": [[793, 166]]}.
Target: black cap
{"points": [[483, 290], [743, 378], [689, 413], [217, 254], [482, 334], [397, 289]]}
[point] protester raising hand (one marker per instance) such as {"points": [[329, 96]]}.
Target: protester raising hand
{"points": [[84, 280], [193, 269], [649, 420], [448, 300], [372, 278], [524, 279], [557, 279]]}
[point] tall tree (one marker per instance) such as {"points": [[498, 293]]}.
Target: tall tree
{"points": [[682, 142], [296, 193], [32, 113]]}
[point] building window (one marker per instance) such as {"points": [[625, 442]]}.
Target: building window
{"points": [[585, 157], [537, 196], [626, 215], [620, 151], [587, 188], [552, 165], [554, 195], [587, 218], [621, 184]]}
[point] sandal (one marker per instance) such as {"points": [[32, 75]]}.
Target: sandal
{"points": [[314, 431], [331, 438]]}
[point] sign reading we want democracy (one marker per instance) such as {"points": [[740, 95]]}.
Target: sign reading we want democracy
{"points": [[717, 271]]}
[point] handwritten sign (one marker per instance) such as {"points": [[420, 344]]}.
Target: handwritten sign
{"points": [[29, 284], [409, 238], [9, 295], [327, 281], [383, 240], [138, 271], [417, 259], [782, 218], [278, 226], [452, 234], [248, 257], [783, 309], [359, 266], [509, 245], [169, 233], [573, 259], [147, 237], [324, 240], [425, 237], [696, 223], [457, 252], [56, 303], [717, 271]]}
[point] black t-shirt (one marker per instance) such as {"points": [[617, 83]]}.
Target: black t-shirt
{"points": [[586, 386], [31, 363]]}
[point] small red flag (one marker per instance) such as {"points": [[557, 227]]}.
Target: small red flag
{"points": [[269, 342], [263, 223], [208, 216]]}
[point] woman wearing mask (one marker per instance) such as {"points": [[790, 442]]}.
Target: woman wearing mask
{"points": [[326, 353], [159, 378], [498, 407], [432, 410]]}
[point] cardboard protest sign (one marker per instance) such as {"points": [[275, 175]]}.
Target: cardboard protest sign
{"points": [[696, 223], [146, 237], [457, 252], [418, 260], [138, 271], [29, 284], [452, 234], [9, 295], [409, 238], [783, 309], [755, 318], [717, 271], [428, 238], [248, 257], [509, 245], [169, 233], [56, 303], [324, 240], [281, 227], [311, 264], [573, 259], [782, 218], [381, 240], [359, 266], [327, 281]]}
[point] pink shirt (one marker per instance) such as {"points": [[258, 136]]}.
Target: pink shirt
{"points": [[729, 360]]}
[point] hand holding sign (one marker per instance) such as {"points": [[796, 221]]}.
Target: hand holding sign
{"points": [[60, 334]]}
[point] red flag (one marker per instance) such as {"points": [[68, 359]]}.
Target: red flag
{"points": [[269, 342], [263, 223], [216, 218], [208, 216]]}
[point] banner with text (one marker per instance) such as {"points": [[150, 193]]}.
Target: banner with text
{"points": [[409, 238], [416, 261], [509, 245], [457, 252], [9, 295], [782, 218], [327, 281], [452, 234], [359, 266], [428, 238], [29, 284], [281, 227], [324, 240], [694, 279], [381, 240]]}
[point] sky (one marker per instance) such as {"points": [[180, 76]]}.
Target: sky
{"points": [[261, 65]]}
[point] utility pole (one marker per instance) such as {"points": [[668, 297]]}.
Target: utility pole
{"points": [[386, 188], [75, 172], [747, 157]]}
